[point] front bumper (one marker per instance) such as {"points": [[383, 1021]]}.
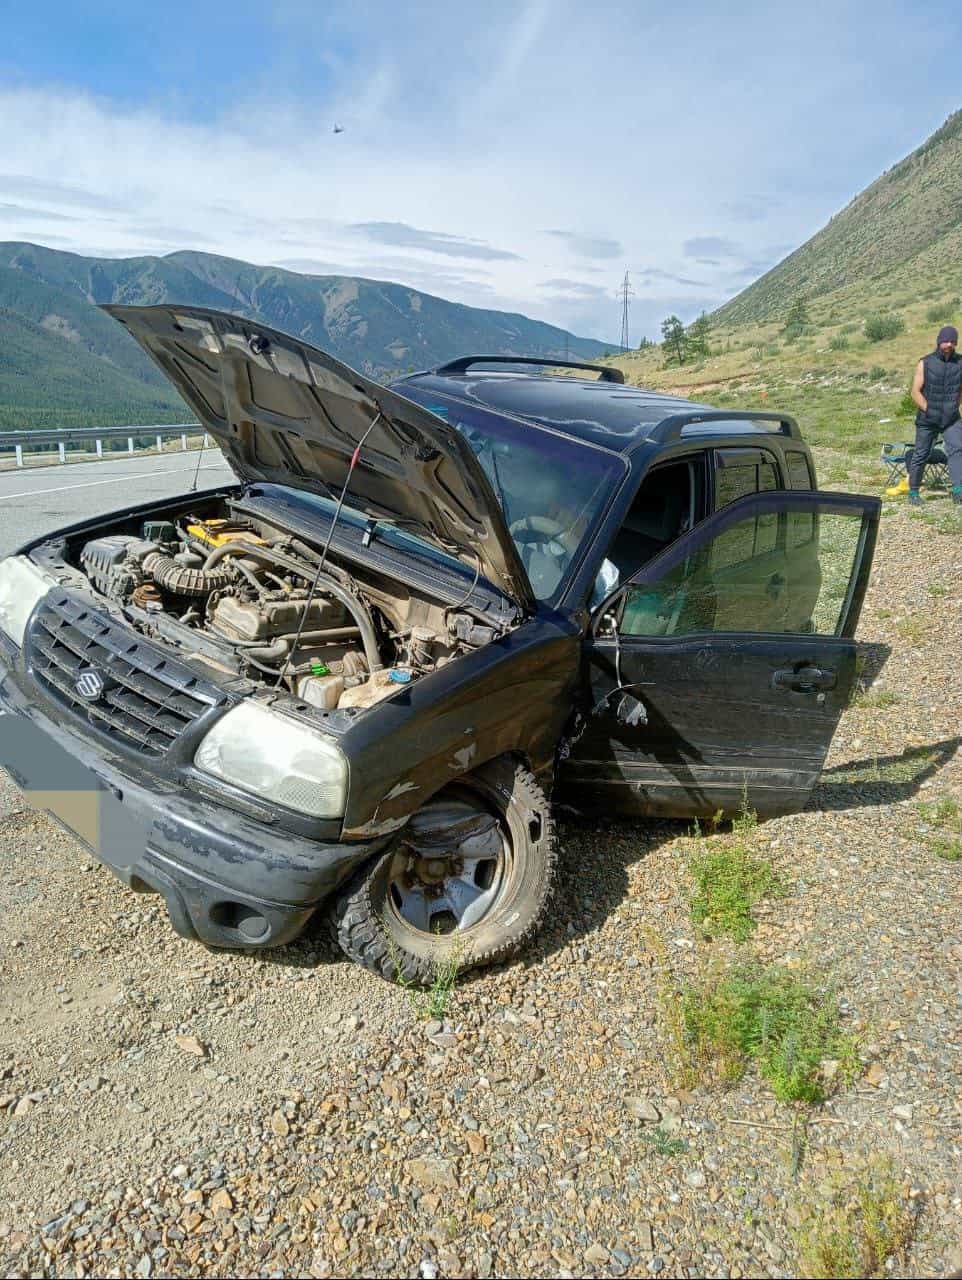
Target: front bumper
{"points": [[227, 880]]}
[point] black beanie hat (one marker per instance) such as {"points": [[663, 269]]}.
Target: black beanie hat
{"points": [[948, 333]]}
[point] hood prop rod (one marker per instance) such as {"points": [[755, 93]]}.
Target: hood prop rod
{"points": [[327, 546]]}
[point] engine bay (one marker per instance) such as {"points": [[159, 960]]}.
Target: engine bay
{"points": [[241, 597]]}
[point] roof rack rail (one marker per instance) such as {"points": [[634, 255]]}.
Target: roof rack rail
{"points": [[675, 427], [464, 363]]}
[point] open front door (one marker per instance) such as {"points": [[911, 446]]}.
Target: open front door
{"points": [[716, 677]]}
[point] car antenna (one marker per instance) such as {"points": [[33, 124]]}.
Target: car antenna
{"points": [[327, 545]]}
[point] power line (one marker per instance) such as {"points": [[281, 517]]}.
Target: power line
{"points": [[626, 292]]}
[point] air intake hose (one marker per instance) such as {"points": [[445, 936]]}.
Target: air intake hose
{"points": [[167, 573]]}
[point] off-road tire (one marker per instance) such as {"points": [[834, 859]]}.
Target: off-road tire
{"points": [[377, 939]]}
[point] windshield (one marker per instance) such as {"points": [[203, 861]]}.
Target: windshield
{"points": [[551, 489]]}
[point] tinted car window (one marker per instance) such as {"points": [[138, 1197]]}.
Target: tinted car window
{"points": [[739, 472], [732, 483], [552, 490], [712, 590], [799, 475]]}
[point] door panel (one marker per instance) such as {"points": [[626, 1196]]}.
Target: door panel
{"points": [[717, 676]]}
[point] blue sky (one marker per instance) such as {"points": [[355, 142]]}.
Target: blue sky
{"points": [[519, 156]]}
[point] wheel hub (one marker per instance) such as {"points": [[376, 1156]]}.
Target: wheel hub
{"points": [[451, 868]]}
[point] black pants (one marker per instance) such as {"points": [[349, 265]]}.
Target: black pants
{"points": [[925, 438]]}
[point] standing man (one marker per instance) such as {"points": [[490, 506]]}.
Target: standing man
{"points": [[936, 388]]}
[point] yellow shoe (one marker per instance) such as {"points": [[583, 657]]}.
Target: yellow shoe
{"points": [[898, 490]]}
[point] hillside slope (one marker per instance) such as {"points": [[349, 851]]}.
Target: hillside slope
{"points": [[66, 360], [848, 392], [910, 208]]}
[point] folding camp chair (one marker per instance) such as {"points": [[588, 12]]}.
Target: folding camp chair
{"points": [[895, 457]]}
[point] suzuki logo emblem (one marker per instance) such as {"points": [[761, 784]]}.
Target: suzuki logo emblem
{"points": [[89, 684]]}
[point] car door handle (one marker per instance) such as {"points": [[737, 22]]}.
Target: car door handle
{"points": [[804, 679]]}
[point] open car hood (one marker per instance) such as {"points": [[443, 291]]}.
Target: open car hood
{"points": [[284, 412]]}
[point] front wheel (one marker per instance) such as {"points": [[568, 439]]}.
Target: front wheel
{"points": [[466, 883]]}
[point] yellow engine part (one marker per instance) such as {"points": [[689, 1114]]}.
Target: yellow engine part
{"points": [[214, 533]]}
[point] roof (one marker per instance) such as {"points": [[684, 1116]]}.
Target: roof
{"points": [[618, 417]]}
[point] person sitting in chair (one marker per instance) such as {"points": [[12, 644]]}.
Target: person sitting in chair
{"points": [[936, 388]]}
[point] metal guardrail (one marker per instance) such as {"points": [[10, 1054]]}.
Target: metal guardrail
{"points": [[19, 440]]}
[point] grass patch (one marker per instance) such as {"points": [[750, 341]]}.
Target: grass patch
{"points": [[874, 699], [866, 1223], [941, 813], [729, 881], [946, 841], [910, 766], [914, 628], [948, 848], [770, 1018], [936, 589]]}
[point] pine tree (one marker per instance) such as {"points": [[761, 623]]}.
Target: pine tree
{"points": [[699, 332], [797, 317], [674, 339]]}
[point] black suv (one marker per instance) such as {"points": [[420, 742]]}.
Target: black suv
{"points": [[354, 679]]}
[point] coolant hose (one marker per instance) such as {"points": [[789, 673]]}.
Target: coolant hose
{"points": [[166, 572], [356, 608]]}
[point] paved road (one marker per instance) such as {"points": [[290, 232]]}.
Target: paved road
{"points": [[34, 502]]}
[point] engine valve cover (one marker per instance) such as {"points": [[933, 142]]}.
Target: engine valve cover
{"points": [[262, 620]]}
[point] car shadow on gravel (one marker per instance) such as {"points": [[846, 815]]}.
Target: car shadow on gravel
{"points": [[871, 658], [594, 858], [879, 780]]}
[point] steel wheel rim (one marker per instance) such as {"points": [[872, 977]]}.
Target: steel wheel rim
{"points": [[464, 897]]}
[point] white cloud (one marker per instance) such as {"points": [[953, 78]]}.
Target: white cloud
{"points": [[547, 115]]}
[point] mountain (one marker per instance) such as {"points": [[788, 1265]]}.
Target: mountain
{"points": [[65, 363], [908, 215]]}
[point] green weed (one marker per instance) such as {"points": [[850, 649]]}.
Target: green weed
{"points": [[941, 813], [866, 1224], [883, 326], [442, 987], [729, 881], [910, 766], [427, 1003], [948, 848], [662, 1143], [874, 699], [946, 841], [768, 1017], [936, 589], [940, 314], [914, 628]]}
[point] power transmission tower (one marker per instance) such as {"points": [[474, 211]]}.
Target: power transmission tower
{"points": [[626, 292]]}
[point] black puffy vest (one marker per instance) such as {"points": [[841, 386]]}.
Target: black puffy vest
{"points": [[941, 386]]}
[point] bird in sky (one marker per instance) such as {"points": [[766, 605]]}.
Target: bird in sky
{"points": [[338, 128]]}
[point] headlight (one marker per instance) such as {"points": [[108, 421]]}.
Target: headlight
{"points": [[275, 757], [22, 584]]}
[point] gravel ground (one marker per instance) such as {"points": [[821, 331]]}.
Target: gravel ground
{"points": [[167, 1110]]}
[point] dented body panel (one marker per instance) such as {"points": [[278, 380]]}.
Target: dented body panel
{"points": [[513, 697]]}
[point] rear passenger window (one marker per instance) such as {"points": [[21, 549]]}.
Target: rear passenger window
{"points": [[801, 528], [799, 475], [739, 472], [732, 483]]}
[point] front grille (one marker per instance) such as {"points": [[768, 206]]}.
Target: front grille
{"points": [[148, 699]]}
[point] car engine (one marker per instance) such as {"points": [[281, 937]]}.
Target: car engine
{"points": [[249, 601]]}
